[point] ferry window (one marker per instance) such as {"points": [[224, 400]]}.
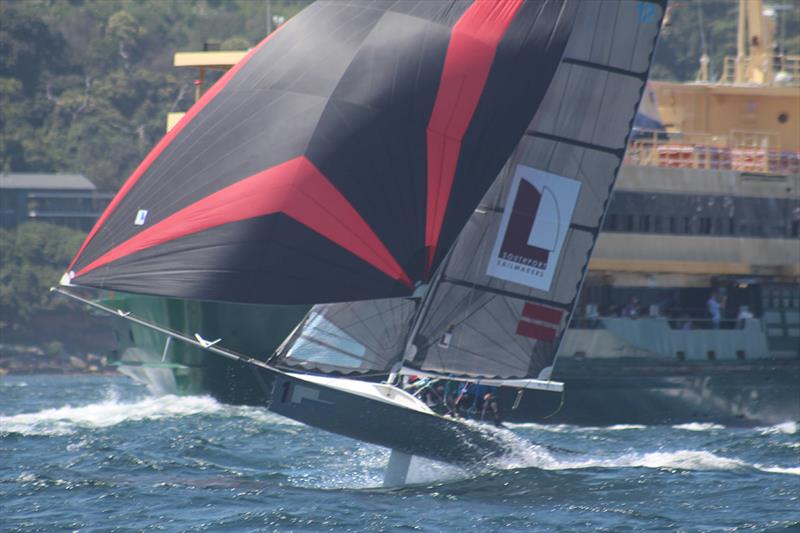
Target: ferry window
{"points": [[783, 118], [705, 226], [611, 222], [644, 223], [687, 224], [731, 226], [673, 225], [657, 223], [628, 223], [719, 226]]}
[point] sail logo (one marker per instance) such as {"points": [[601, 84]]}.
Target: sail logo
{"points": [[533, 228], [141, 216]]}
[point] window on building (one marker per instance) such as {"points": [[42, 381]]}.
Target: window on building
{"points": [[628, 223]]}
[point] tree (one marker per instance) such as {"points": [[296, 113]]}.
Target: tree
{"points": [[33, 257]]}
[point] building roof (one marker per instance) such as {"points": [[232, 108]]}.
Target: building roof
{"points": [[220, 60], [45, 181]]}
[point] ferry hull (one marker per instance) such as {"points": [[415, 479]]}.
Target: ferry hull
{"points": [[599, 390], [165, 367], [732, 393]]}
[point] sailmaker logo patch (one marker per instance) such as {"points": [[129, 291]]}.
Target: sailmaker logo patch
{"points": [[534, 226]]}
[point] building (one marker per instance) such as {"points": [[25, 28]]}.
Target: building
{"points": [[69, 200]]}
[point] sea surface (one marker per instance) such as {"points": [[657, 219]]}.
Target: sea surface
{"points": [[102, 454]]}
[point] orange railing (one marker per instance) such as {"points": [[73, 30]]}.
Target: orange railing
{"points": [[744, 151], [785, 70]]}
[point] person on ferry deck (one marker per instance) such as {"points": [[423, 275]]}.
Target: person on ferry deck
{"points": [[714, 309], [632, 309], [744, 314]]}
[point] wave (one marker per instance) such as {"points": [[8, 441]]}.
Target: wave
{"points": [[524, 454], [12, 383], [535, 457], [786, 428], [568, 428], [792, 470], [698, 426], [65, 420], [540, 457]]}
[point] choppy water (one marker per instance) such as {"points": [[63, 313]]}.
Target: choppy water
{"points": [[92, 453]]}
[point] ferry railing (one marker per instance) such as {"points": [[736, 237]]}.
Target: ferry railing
{"points": [[674, 323], [785, 70], [745, 151]]}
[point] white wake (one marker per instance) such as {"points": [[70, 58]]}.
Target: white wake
{"points": [[110, 412]]}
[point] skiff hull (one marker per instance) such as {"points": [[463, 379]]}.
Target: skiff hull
{"points": [[384, 423]]}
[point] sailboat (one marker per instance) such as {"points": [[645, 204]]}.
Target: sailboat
{"points": [[430, 175]]}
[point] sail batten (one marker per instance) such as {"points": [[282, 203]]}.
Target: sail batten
{"points": [[470, 54]]}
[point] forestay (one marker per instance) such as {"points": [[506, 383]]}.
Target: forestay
{"points": [[510, 285]]}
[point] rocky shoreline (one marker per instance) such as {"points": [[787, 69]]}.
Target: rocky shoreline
{"points": [[51, 358]]}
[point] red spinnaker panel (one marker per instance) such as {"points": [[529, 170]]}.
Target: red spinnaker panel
{"points": [[470, 54], [274, 190]]}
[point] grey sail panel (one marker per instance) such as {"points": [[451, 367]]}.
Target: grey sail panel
{"points": [[351, 338], [510, 284]]}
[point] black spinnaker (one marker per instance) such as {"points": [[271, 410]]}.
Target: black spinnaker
{"points": [[338, 160]]}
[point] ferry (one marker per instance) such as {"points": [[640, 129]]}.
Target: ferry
{"points": [[691, 308]]}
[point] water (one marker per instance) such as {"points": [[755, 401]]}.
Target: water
{"points": [[99, 453]]}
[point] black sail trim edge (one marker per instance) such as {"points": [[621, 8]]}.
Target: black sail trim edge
{"points": [[588, 229], [618, 152], [606, 68], [577, 227], [503, 292]]}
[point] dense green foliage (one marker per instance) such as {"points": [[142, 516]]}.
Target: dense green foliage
{"points": [[690, 22], [85, 84], [32, 258]]}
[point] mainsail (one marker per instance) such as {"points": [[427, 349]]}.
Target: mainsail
{"points": [[510, 283], [338, 161], [507, 291]]}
